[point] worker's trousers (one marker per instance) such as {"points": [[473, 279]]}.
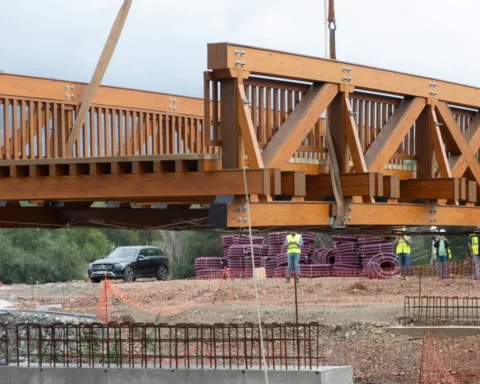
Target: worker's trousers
{"points": [[293, 260], [405, 262], [442, 266], [476, 261]]}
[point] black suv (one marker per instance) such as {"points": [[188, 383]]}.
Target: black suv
{"points": [[128, 263]]}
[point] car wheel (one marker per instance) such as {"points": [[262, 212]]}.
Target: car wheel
{"points": [[95, 281], [162, 273], [129, 274]]}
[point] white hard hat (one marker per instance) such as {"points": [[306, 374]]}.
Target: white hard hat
{"points": [[442, 231], [433, 229], [404, 229]]}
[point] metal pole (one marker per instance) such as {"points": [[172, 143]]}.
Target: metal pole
{"points": [[296, 320], [420, 282]]}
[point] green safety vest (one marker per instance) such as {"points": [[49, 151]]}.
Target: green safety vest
{"points": [[293, 248], [474, 239], [402, 246]]}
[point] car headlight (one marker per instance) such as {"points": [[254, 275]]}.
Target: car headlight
{"points": [[119, 266], [90, 266]]}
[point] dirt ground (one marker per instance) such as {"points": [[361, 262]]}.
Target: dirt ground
{"points": [[353, 314]]}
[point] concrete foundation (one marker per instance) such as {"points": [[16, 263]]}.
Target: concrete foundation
{"points": [[36, 375]]}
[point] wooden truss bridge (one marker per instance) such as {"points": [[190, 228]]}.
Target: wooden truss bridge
{"points": [[406, 148]]}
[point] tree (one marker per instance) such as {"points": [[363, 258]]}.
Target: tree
{"points": [[193, 245]]}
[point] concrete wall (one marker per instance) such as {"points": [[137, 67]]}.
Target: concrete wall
{"points": [[24, 375]]}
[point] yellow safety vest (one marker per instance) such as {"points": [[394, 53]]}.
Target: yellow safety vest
{"points": [[293, 248], [402, 245], [474, 244]]}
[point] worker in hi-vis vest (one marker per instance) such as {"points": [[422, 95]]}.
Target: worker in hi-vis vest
{"points": [[444, 253], [473, 248], [294, 244], [404, 252]]}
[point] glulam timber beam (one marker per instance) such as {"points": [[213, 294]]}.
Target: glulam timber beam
{"points": [[24, 87], [79, 184], [472, 136], [293, 183], [273, 63], [298, 124], [391, 187], [430, 189], [274, 214], [393, 133], [353, 184], [453, 130], [318, 214], [413, 215]]}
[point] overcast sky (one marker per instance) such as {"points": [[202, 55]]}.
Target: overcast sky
{"points": [[163, 45]]}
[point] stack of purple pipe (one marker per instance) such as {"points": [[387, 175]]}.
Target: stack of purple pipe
{"points": [[208, 266], [373, 256], [259, 252]]}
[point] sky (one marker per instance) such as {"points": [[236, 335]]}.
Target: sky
{"points": [[163, 46]]}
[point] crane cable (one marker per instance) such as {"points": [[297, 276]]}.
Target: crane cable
{"points": [[262, 348], [330, 27]]}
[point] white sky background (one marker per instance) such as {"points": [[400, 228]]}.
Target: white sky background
{"points": [[163, 45]]}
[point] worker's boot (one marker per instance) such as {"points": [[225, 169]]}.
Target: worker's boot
{"points": [[298, 279], [288, 279]]}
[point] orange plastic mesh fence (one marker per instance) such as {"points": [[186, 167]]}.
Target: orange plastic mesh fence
{"points": [[174, 297], [450, 360]]}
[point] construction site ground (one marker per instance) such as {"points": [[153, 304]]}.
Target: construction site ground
{"points": [[82, 297], [353, 333]]}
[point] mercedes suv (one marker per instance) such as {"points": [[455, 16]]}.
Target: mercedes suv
{"points": [[128, 263]]}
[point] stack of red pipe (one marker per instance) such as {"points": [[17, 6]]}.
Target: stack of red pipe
{"points": [[207, 266]]}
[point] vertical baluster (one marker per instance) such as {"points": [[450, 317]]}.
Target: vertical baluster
{"points": [[115, 131], [107, 123], [167, 134], [276, 124], [261, 117], [48, 132], [122, 131], [6, 124], [268, 115], [23, 129], [92, 132], [161, 134], [31, 129], [15, 126], [282, 107]]}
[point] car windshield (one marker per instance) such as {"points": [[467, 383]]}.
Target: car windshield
{"points": [[122, 253]]}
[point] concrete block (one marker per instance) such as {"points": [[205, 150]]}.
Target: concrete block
{"points": [[37, 375]]}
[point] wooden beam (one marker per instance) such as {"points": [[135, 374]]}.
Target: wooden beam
{"points": [[273, 63], [413, 215], [438, 146], [430, 189], [337, 112], [293, 183], [472, 136], [393, 132], [391, 187], [279, 214], [353, 184], [249, 135], [353, 138], [232, 143], [425, 129], [48, 89], [134, 187], [97, 77], [291, 134], [456, 134]]}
